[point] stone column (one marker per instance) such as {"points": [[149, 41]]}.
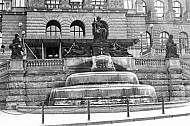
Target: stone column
{"points": [[187, 13], [170, 15]]}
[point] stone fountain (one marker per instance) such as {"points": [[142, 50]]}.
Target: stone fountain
{"points": [[103, 85]]}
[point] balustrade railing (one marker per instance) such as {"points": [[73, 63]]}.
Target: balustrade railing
{"points": [[154, 63], [45, 63]]}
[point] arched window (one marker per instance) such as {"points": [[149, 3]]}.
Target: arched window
{"points": [[183, 40], [148, 39], [144, 7], [163, 38], [53, 29], [177, 8], [159, 7], [77, 29], [52, 3]]}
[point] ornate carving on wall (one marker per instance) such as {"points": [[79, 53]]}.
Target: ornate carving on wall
{"points": [[36, 3], [116, 4], [88, 5], [65, 4]]}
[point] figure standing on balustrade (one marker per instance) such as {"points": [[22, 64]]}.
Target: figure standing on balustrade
{"points": [[16, 47], [171, 48]]}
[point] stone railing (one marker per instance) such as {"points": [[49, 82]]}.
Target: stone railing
{"points": [[149, 63], [44, 63], [162, 51]]}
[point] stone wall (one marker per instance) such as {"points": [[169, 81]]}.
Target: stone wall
{"points": [[10, 26], [31, 87]]}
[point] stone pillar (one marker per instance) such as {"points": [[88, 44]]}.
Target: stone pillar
{"points": [[170, 15], [187, 13], [176, 89], [16, 86]]}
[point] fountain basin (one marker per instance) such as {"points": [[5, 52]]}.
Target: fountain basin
{"points": [[102, 88]]}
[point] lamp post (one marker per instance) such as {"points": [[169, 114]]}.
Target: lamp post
{"points": [[141, 33], [23, 45], [151, 41], [20, 25]]}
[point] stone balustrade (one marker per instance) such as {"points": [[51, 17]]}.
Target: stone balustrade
{"points": [[44, 63], [151, 63]]}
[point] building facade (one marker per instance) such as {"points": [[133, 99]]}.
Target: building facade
{"points": [[49, 26]]}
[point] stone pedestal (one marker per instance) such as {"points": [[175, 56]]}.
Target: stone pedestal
{"points": [[100, 49], [16, 64], [17, 86], [173, 64], [176, 88]]}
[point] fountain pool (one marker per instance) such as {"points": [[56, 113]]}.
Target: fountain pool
{"points": [[102, 88]]}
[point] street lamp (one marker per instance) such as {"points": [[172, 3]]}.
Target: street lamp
{"points": [[23, 45], [20, 24], [151, 41], [141, 33]]}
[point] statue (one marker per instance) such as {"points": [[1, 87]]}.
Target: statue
{"points": [[17, 51], [77, 49], [171, 48], [117, 50], [99, 31]]}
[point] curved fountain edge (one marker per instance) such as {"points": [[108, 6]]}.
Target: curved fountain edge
{"points": [[99, 108]]}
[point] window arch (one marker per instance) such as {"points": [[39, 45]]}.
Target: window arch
{"points": [[144, 7], [163, 38], [159, 7], [53, 29], [148, 39], [77, 29], [177, 7], [183, 40]]}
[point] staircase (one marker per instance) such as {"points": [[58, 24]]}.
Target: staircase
{"points": [[32, 85]]}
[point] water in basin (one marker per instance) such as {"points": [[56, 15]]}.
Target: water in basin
{"points": [[110, 87]]}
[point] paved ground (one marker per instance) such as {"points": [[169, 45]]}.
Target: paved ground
{"points": [[172, 117]]}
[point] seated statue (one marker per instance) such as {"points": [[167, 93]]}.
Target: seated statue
{"points": [[99, 31], [16, 47], [171, 48]]}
